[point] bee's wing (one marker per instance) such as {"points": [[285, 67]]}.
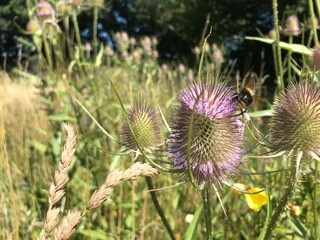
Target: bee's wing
{"points": [[249, 81]]}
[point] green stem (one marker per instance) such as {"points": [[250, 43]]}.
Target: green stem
{"points": [[285, 198], [47, 51], [314, 27], [207, 212], [77, 34], [67, 37], [94, 31], [158, 208], [318, 7], [279, 57], [315, 208], [275, 62], [289, 59]]}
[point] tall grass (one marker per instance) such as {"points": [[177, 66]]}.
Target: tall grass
{"points": [[43, 93]]}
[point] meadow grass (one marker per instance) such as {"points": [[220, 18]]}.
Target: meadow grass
{"points": [[48, 190]]}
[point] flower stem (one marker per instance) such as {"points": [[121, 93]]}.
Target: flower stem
{"points": [[94, 31], [289, 60], [207, 212], [315, 207], [314, 28], [158, 208], [285, 198], [279, 58], [77, 34]]}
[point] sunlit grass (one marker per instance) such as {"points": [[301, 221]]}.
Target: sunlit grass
{"points": [[39, 97]]}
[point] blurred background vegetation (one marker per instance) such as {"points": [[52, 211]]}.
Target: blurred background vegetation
{"points": [[150, 50], [178, 26]]}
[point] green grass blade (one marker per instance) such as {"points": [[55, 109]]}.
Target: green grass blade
{"points": [[192, 229], [95, 121], [269, 212]]}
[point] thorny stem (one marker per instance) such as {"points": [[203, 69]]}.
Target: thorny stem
{"points": [[293, 180], [47, 51], [94, 30], [318, 9], [279, 58], [289, 59], [158, 208], [207, 212], [77, 34], [316, 224], [312, 17]]}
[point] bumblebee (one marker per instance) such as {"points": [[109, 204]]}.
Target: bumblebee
{"points": [[245, 99], [245, 96]]}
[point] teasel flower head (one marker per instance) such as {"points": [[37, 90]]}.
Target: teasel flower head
{"points": [[292, 26], [295, 125], [45, 11], [217, 134], [33, 26], [145, 125]]}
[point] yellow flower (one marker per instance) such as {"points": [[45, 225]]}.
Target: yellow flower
{"points": [[256, 201]]}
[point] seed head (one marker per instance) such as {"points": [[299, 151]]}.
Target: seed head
{"points": [[296, 121], [33, 26], [292, 26], [217, 139], [45, 11], [145, 125]]}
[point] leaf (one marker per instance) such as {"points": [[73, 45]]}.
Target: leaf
{"points": [[293, 47], [99, 56], [192, 229], [25, 42], [37, 145], [299, 227], [262, 113], [94, 234], [29, 76]]}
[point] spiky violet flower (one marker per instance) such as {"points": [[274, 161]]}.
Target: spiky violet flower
{"points": [[145, 125], [217, 133], [295, 125]]}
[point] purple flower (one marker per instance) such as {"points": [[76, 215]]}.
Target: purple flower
{"points": [[217, 140]]}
